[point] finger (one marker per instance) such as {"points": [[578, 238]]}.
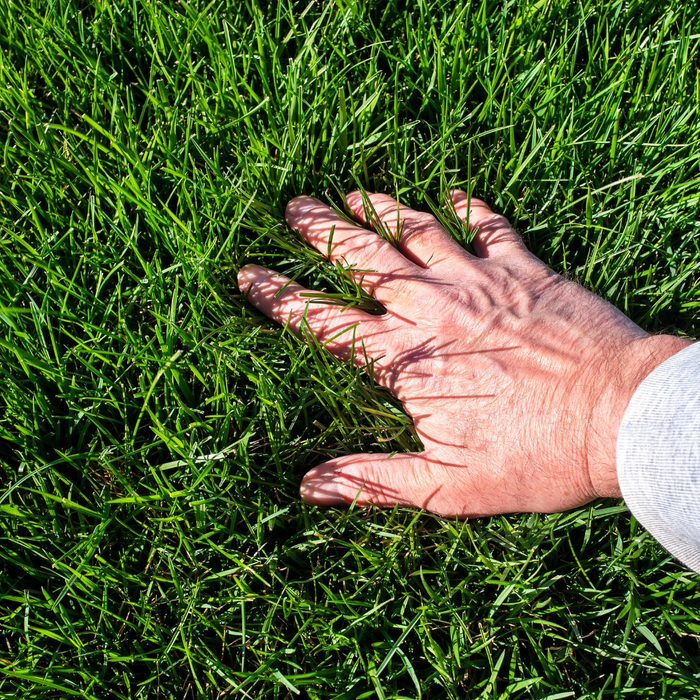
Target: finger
{"points": [[347, 332], [386, 480], [377, 265], [494, 236], [420, 237]]}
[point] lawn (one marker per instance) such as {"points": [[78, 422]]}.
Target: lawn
{"points": [[154, 427]]}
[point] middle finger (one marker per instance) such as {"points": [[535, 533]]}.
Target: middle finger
{"points": [[377, 266]]}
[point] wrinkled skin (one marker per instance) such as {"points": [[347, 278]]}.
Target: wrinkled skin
{"points": [[516, 379]]}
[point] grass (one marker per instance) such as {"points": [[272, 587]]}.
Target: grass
{"points": [[154, 427]]}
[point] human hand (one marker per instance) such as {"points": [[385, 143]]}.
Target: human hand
{"points": [[516, 379]]}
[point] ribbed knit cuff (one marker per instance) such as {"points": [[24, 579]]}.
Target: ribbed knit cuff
{"points": [[658, 455]]}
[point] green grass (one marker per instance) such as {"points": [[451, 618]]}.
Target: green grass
{"points": [[154, 427]]}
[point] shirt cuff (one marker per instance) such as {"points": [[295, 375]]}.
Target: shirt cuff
{"points": [[658, 455]]}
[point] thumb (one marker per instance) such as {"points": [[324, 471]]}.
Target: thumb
{"points": [[382, 480]]}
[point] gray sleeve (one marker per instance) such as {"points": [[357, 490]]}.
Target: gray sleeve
{"points": [[658, 455]]}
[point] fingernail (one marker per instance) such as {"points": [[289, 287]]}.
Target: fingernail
{"points": [[301, 205], [246, 275], [321, 490]]}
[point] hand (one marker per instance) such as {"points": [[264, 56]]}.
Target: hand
{"points": [[516, 379]]}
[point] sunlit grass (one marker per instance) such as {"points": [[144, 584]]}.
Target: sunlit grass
{"points": [[154, 428]]}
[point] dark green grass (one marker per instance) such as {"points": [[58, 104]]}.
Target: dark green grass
{"points": [[154, 428]]}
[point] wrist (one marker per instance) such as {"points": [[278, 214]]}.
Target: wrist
{"points": [[618, 378]]}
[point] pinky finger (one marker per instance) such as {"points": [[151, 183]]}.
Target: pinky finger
{"points": [[494, 236]]}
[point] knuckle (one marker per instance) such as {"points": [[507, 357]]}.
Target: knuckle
{"points": [[418, 222]]}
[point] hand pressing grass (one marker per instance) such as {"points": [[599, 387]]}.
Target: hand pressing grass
{"points": [[154, 428]]}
